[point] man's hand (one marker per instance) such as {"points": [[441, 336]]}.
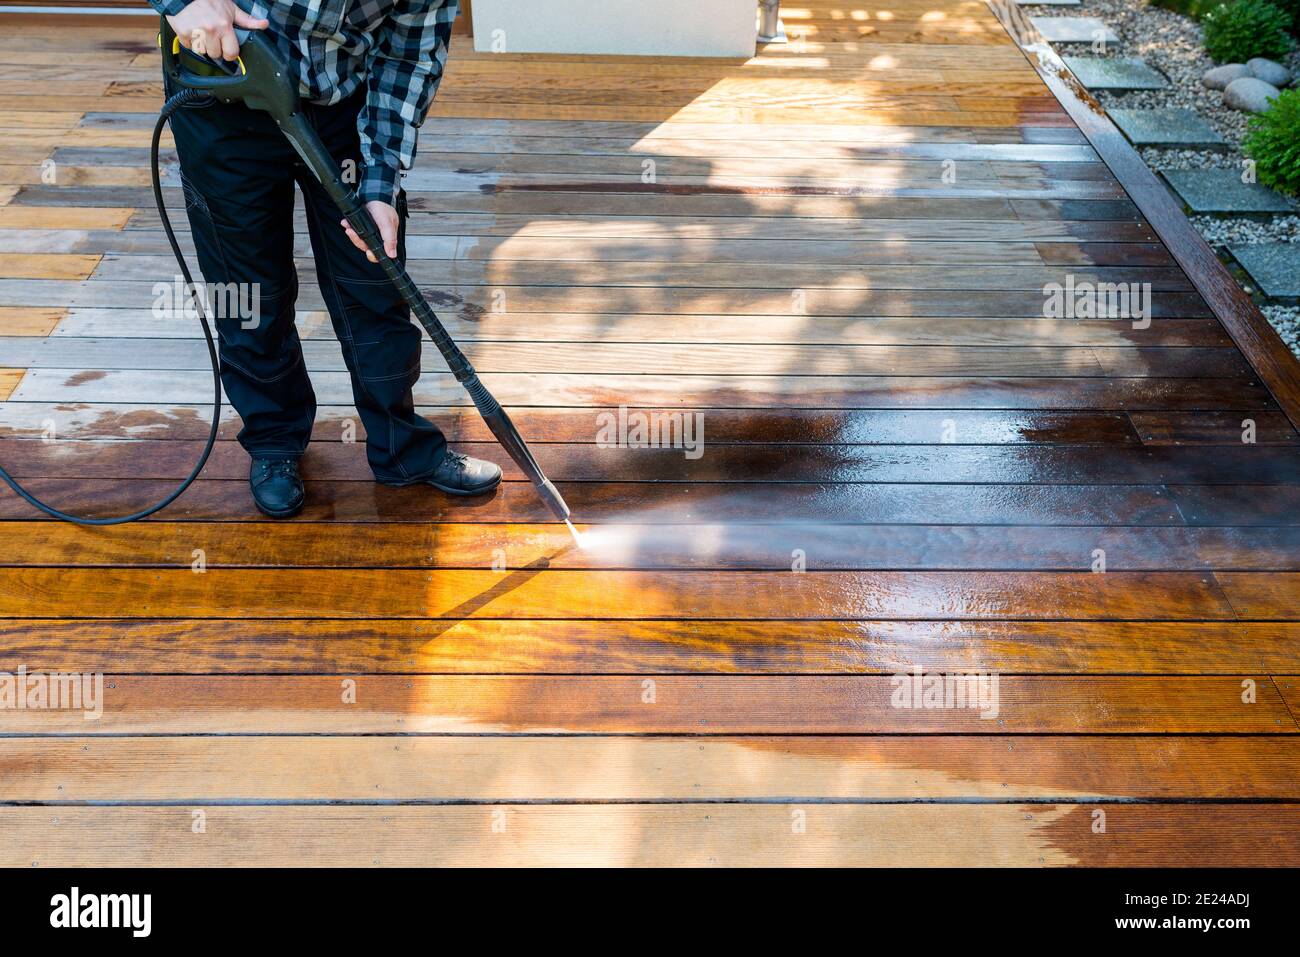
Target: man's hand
{"points": [[208, 27], [385, 217]]}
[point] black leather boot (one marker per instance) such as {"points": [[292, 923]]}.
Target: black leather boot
{"points": [[461, 475], [277, 487]]}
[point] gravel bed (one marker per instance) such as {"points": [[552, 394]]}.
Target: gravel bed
{"points": [[1286, 320], [1171, 43], [1229, 231]]}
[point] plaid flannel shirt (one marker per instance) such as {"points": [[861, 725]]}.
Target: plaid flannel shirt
{"points": [[398, 49]]}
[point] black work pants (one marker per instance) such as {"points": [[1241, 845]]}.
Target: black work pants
{"points": [[239, 172]]}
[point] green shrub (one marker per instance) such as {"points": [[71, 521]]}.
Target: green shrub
{"points": [[1237, 31], [1192, 8], [1292, 10], [1274, 143]]}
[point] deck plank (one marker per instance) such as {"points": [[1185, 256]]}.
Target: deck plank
{"points": [[665, 704], [948, 462], [590, 769], [1032, 835], [495, 646]]}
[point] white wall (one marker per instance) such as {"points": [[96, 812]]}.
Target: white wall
{"points": [[724, 28]]}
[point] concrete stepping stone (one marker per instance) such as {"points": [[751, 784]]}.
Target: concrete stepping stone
{"points": [[1174, 128], [1275, 267], [1115, 73], [1074, 30], [1222, 191]]}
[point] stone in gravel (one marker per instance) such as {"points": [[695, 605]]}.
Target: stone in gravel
{"points": [[1275, 267], [1269, 71], [1221, 76], [1222, 191], [1049, 3], [1074, 30], [1250, 95], [1115, 73], [1170, 128]]}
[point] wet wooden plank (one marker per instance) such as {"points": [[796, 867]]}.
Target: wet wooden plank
{"points": [[725, 426], [541, 593], [1275, 596], [1288, 686], [210, 500], [695, 460], [669, 704], [493, 646], [767, 547], [1213, 428], [1231, 505]]}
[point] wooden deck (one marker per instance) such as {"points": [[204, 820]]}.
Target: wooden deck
{"points": [[839, 260]]}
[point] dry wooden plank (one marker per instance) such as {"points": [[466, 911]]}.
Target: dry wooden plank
{"points": [[67, 217], [46, 266], [735, 85], [9, 380], [19, 321], [493, 646], [717, 276], [483, 297], [875, 179], [726, 114], [991, 165], [510, 236], [925, 145], [623, 835], [108, 322], [73, 175], [665, 249], [714, 360], [692, 215], [541, 593], [598, 769], [703, 392]]}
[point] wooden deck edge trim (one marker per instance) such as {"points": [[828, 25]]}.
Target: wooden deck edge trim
{"points": [[1263, 348]]}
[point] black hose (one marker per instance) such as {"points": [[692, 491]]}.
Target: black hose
{"points": [[172, 104]]}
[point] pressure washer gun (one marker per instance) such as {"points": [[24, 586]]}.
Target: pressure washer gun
{"points": [[260, 79]]}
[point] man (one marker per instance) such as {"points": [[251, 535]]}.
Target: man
{"points": [[367, 72]]}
